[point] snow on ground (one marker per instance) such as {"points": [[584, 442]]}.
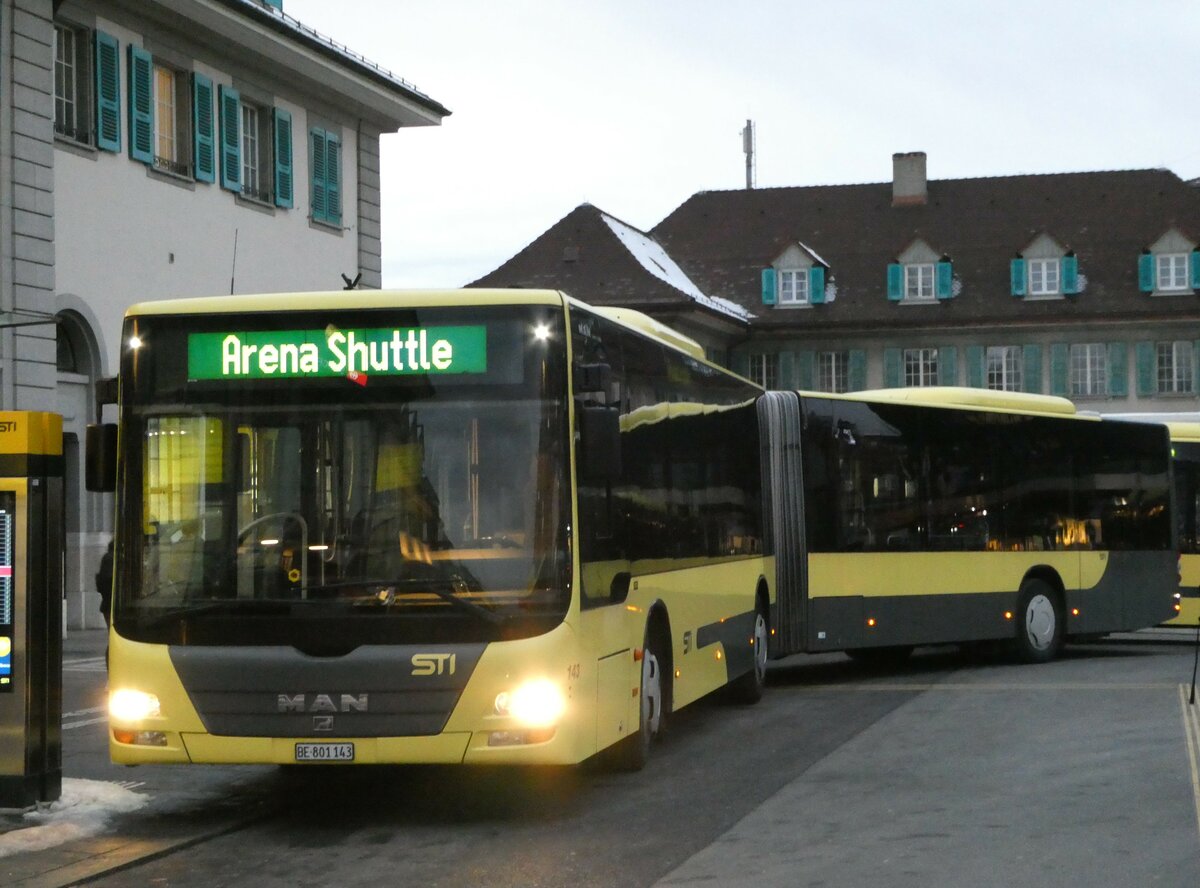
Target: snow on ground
{"points": [[83, 810]]}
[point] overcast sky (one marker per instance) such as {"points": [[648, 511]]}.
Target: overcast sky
{"points": [[634, 105]]}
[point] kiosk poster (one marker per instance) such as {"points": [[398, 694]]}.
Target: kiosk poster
{"points": [[7, 617]]}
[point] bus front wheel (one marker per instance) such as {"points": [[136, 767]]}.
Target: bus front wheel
{"points": [[632, 753], [1040, 627]]}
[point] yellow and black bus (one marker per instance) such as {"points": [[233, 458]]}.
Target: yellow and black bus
{"points": [[919, 516], [470, 526], [506, 527]]}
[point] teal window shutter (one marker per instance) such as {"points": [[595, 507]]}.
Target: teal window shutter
{"points": [[108, 92], [283, 158], [740, 364], [976, 366], [333, 182], [1194, 259], [202, 127], [768, 286], [787, 371], [947, 365], [1146, 272], [1196, 366], [1146, 362], [1070, 274], [1118, 373], [858, 369], [1031, 369], [141, 105], [1016, 274], [230, 101], [944, 282], [1060, 365], [895, 282], [316, 142], [806, 361], [816, 285], [891, 368]]}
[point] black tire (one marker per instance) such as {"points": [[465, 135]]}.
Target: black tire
{"points": [[632, 753], [748, 687], [1039, 619], [881, 657]]}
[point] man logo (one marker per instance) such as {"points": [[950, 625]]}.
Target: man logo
{"points": [[322, 703], [433, 664], [322, 723]]}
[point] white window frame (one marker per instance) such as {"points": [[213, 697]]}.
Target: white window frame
{"points": [[1173, 363], [833, 372], [172, 119], [258, 155], [1171, 272], [920, 367], [919, 282], [1089, 370], [1002, 368], [793, 286], [764, 369], [73, 83], [1045, 277]]}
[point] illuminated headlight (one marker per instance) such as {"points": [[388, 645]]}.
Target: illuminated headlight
{"points": [[131, 706], [536, 704]]}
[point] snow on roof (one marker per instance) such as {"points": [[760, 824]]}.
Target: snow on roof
{"points": [[813, 253], [655, 260], [83, 810]]}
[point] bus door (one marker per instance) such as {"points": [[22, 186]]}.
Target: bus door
{"points": [[783, 517]]}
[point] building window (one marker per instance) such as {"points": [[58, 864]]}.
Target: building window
{"points": [[833, 372], [256, 153], [1044, 277], [1174, 360], [1004, 368], [171, 129], [793, 287], [1089, 370], [920, 366], [72, 84], [918, 281], [1172, 271], [764, 370]]}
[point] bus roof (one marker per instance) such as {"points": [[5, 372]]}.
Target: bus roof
{"points": [[344, 299], [972, 398], [648, 326], [1184, 431]]}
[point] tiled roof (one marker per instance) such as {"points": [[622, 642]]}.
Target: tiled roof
{"points": [[723, 239]]}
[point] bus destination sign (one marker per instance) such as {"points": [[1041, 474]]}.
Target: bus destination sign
{"points": [[291, 354]]}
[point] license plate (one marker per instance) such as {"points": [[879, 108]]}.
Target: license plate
{"points": [[324, 752]]}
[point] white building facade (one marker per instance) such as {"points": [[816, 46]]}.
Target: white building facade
{"points": [[154, 149]]}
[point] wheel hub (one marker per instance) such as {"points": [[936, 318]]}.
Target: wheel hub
{"points": [[1040, 622]]}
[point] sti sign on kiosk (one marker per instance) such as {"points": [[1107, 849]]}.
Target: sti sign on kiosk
{"points": [[31, 587]]}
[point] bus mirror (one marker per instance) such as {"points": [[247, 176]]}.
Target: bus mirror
{"points": [[599, 452], [100, 469], [592, 378]]}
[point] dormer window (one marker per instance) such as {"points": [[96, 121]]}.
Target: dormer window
{"points": [[1170, 265], [1045, 270], [918, 281], [1171, 271], [795, 279], [920, 277], [1043, 277]]}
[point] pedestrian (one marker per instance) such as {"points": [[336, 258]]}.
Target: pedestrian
{"points": [[104, 581]]}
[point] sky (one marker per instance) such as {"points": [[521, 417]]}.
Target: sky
{"points": [[635, 105]]}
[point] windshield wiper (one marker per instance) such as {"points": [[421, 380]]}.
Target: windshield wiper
{"points": [[445, 589], [230, 607]]}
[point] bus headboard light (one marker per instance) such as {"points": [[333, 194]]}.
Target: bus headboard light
{"points": [[128, 705], [537, 704]]}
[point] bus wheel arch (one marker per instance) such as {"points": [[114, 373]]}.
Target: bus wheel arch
{"points": [[1040, 616], [658, 638], [656, 672]]}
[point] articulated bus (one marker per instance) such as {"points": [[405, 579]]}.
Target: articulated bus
{"points": [[506, 527], [471, 526]]}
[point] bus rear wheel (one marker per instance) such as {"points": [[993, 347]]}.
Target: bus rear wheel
{"points": [[748, 687], [1040, 622]]}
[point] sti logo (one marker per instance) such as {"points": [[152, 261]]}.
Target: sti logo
{"points": [[433, 664], [8, 425]]}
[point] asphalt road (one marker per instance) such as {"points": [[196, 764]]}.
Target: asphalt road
{"points": [[949, 770]]}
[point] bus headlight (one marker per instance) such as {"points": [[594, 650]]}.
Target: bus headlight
{"points": [[127, 705], [536, 704]]}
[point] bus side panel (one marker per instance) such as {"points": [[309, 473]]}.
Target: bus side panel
{"points": [[1136, 590]]}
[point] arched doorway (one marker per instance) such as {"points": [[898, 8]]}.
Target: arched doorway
{"points": [[87, 516]]}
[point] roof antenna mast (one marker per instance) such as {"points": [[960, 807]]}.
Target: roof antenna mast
{"points": [[748, 149]]}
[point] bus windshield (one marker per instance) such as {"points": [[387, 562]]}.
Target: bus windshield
{"points": [[360, 513]]}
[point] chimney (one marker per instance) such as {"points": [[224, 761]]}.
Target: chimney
{"points": [[908, 179]]}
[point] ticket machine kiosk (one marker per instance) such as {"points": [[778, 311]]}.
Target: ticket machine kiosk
{"points": [[31, 588]]}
